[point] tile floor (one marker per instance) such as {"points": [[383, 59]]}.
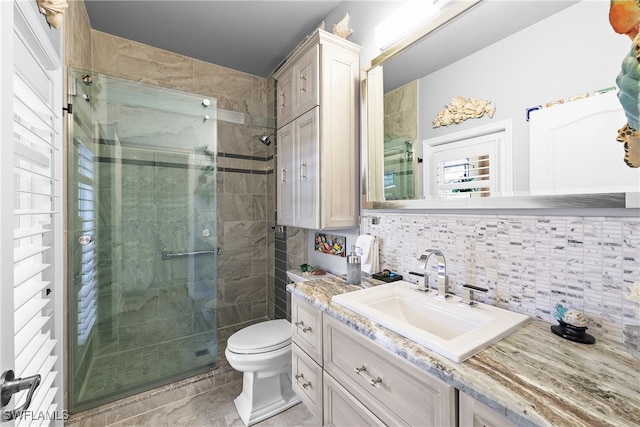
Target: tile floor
{"points": [[203, 400], [214, 408], [113, 374]]}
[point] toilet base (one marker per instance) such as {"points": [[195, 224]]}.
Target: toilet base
{"points": [[262, 398]]}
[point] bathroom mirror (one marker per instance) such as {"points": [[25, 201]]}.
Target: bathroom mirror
{"points": [[524, 59]]}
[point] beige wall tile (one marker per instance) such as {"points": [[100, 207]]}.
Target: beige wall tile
{"points": [[77, 34]]}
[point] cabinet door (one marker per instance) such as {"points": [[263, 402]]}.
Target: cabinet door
{"points": [[307, 328], [307, 381], [307, 191], [284, 108], [306, 85], [340, 207], [286, 175], [342, 409], [475, 414]]}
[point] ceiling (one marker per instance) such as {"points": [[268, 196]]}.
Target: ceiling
{"points": [[253, 36]]}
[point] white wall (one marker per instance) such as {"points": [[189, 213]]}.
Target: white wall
{"points": [[569, 53]]}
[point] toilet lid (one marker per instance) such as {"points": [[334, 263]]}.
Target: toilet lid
{"points": [[261, 337]]}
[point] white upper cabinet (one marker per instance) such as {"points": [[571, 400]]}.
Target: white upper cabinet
{"points": [[317, 114]]}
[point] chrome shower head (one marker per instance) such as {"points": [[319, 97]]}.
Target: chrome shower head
{"points": [[265, 139]]}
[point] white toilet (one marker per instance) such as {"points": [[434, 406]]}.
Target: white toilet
{"points": [[263, 352]]}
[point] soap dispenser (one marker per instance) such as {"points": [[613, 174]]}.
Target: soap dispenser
{"points": [[354, 269]]}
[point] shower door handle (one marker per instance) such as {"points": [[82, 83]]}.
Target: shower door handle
{"points": [[9, 386], [85, 240]]}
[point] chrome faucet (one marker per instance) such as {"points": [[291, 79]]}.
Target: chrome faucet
{"points": [[443, 280]]}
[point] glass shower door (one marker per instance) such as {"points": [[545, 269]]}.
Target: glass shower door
{"points": [[142, 240]]}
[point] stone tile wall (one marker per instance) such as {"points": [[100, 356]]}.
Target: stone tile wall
{"points": [[246, 202], [528, 263], [245, 176]]}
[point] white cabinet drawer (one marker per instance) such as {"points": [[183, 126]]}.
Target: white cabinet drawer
{"points": [[307, 381], [342, 409], [370, 372], [306, 321]]}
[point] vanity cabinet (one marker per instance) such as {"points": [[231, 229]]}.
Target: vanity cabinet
{"points": [[346, 379], [475, 414], [395, 391], [306, 352], [317, 151]]}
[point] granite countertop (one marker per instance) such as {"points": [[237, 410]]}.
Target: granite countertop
{"points": [[532, 377]]}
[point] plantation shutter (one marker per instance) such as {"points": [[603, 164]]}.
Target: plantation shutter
{"points": [[465, 177], [467, 168], [37, 222]]}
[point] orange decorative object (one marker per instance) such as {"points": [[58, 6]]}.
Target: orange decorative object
{"points": [[624, 16]]}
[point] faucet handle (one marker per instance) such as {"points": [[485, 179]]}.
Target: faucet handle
{"points": [[424, 287], [422, 261], [469, 294]]}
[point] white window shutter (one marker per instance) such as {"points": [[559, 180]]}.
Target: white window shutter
{"points": [[37, 210]]}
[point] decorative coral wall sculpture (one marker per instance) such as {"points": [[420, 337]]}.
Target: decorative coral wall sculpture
{"points": [[53, 10], [624, 16], [462, 109], [341, 29]]}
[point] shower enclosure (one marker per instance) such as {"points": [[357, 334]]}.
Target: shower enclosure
{"points": [[142, 237]]}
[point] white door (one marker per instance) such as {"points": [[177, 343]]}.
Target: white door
{"points": [[30, 219]]}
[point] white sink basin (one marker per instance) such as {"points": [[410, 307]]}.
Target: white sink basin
{"points": [[453, 330]]}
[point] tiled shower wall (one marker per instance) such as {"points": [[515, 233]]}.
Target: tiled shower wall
{"points": [[245, 202], [245, 178], [528, 263]]}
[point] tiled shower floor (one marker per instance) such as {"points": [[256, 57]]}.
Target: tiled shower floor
{"points": [[116, 374]]}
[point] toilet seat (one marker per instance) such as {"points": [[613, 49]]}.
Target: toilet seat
{"points": [[261, 337]]}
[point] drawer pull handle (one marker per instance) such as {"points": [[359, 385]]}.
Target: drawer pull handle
{"points": [[361, 371], [304, 385], [300, 324]]}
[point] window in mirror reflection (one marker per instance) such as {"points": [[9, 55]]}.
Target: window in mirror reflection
{"points": [[464, 178], [469, 164]]}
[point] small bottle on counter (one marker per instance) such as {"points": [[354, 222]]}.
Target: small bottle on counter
{"points": [[354, 268]]}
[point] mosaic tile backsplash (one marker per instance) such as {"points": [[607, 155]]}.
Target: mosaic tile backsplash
{"points": [[528, 263]]}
